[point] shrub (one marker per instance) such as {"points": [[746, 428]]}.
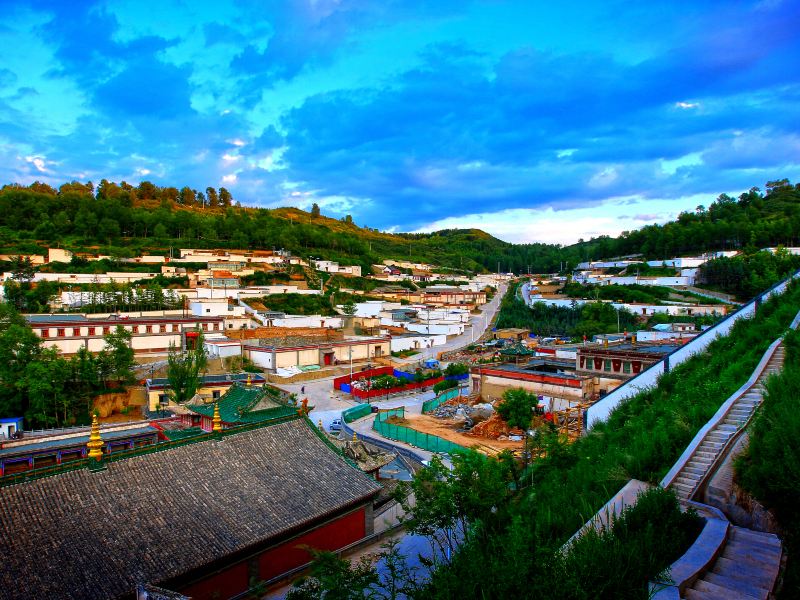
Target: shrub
{"points": [[447, 384], [517, 407]]}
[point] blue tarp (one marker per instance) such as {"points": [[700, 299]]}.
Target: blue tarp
{"points": [[458, 377], [402, 374], [346, 388]]}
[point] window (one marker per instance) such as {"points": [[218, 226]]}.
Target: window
{"points": [[106, 330], [91, 330], [626, 367], [45, 333], [607, 366], [215, 394], [216, 326], [208, 310], [163, 399], [61, 333], [162, 328], [149, 329], [205, 326], [76, 331]]}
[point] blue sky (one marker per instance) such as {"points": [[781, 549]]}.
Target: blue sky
{"points": [[533, 121]]}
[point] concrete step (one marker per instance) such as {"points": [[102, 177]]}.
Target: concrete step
{"points": [[705, 454], [748, 554], [682, 487], [694, 470], [742, 412], [748, 573], [746, 587], [702, 461], [759, 536], [760, 550], [712, 445], [702, 585], [723, 427], [689, 477], [689, 483]]}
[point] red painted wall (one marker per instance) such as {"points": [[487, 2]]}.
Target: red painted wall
{"points": [[280, 559]]}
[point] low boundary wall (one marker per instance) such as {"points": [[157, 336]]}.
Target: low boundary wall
{"points": [[601, 410]]}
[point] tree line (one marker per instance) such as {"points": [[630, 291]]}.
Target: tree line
{"points": [[147, 216], [51, 390]]}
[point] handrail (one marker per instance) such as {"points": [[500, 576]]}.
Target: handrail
{"points": [[718, 417], [731, 441], [697, 558]]}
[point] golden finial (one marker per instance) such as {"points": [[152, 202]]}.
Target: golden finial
{"points": [[320, 424], [217, 421], [249, 381], [95, 443], [355, 437]]}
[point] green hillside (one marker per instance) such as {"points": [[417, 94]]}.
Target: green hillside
{"points": [[122, 219]]}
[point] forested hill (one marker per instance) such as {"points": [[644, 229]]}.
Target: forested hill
{"points": [[121, 219]]}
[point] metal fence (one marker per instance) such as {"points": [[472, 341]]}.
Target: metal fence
{"points": [[356, 412], [443, 397], [400, 433]]}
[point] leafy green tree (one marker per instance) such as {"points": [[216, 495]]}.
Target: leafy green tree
{"points": [[450, 503], [349, 308], [187, 197], [119, 354], [22, 269], [315, 212], [517, 407], [225, 198], [183, 371], [213, 198], [336, 578]]}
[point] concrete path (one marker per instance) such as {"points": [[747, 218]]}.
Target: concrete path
{"points": [[474, 330]]}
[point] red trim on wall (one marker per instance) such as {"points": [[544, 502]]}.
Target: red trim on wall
{"points": [[280, 559], [531, 377]]}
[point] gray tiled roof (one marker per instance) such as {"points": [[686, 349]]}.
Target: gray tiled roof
{"points": [[96, 535]]}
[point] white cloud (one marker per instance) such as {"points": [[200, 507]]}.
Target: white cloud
{"points": [[142, 171], [39, 162], [604, 178], [229, 178], [610, 217], [230, 157], [686, 105]]}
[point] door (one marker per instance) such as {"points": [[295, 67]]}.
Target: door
{"points": [[327, 359]]}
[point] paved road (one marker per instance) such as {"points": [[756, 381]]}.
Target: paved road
{"points": [[474, 330]]}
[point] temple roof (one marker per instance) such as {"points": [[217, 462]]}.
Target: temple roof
{"points": [[240, 404], [159, 515]]}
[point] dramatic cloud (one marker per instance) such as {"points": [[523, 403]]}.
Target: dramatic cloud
{"points": [[530, 122]]}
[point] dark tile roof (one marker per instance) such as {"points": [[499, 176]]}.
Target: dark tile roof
{"points": [[150, 518], [70, 442]]}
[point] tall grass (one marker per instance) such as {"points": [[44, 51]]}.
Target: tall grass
{"points": [[641, 440], [770, 467]]}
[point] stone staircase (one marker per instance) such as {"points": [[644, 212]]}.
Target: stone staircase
{"points": [[708, 452], [746, 569]]}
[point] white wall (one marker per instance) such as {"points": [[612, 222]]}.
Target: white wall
{"points": [[601, 410], [437, 328], [398, 344]]}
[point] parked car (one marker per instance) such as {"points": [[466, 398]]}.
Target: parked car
{"points": [[335, 426]]}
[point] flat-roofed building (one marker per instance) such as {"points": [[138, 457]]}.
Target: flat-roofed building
{"points": [[150, 335]]}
